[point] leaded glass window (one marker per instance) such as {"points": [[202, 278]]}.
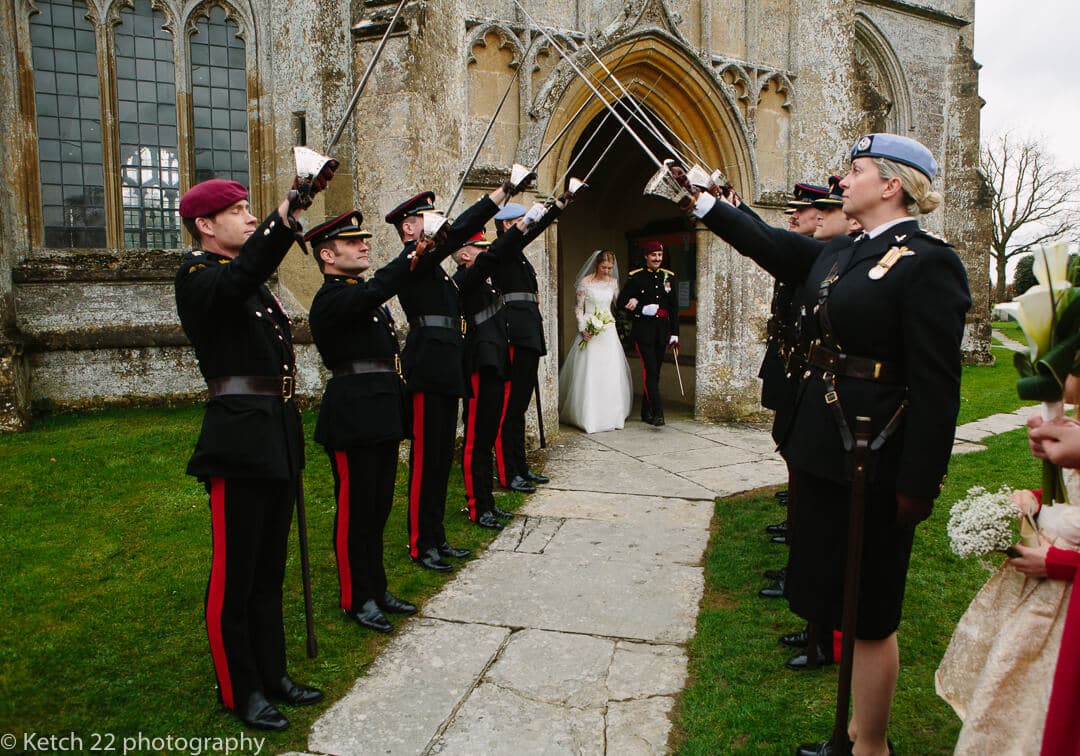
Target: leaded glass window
{"points": [[146, 120], [69, 125], [219, 99]]}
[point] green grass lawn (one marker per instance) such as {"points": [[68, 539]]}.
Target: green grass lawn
{"points": [[741, 699], [106, 549]]}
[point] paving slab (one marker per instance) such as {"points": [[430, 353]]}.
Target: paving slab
{"points": [[639, 727], [527, 534], [733, 479], [614, 597], [626, 475], [717, 455], [410, 690], [753, 437], [629, 509], [641, 670], [495, 720], [638, 440], [966, 447], [560, 668]]}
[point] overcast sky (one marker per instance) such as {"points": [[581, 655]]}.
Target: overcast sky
{"points": [[1030, 79]]}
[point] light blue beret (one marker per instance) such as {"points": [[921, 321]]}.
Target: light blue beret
{"points": [[898, 148], [510, 211]]}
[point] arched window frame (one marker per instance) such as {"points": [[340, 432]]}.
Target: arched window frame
{"points": [[179, 19]]}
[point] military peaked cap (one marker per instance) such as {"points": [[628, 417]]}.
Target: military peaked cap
{"points": [[347, 226], [805, 194], [421, 203], [835, 197]]}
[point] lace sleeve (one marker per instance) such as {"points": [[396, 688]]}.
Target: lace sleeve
{"points": [[579, 309]]}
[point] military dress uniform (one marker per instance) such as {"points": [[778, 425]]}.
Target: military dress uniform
{"points": [[249, 454], [362, 417], [434, 380], [651, 333], [885, 319], [487, 367], [515, 278]]}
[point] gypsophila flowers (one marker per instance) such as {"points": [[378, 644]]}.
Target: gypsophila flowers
{"points": [[982, 522]]}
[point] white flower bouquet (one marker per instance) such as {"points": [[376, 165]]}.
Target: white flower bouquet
{"points": [[982, 522], [595, 323]]}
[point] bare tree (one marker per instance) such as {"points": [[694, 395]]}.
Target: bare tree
{"points": [[1033, 201]]}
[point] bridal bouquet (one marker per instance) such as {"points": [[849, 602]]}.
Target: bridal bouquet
{"points": [[982, 522], [1049, 315], [595, 323]]}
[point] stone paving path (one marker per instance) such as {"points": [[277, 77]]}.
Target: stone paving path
{"points": [[568, 635]]}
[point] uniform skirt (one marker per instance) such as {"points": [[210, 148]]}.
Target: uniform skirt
{"points": [[815, 576]]}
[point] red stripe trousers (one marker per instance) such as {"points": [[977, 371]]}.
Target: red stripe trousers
{"points": [[250, 522], [364, 490], [482, 412], [430, 458]]}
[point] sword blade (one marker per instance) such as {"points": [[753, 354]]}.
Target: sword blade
{"points": [[641, 143], [364, 79]]}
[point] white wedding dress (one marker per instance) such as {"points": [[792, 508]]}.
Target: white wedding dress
{"points": [[595, 390]]}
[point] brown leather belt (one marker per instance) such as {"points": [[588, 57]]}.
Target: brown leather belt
{"points": [[282, 386], [439, 321], [866, 368], [374, 365]]}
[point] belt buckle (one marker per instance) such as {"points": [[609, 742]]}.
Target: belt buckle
{"points": [[877, 370], [288, 386], [462, 320], [397, 364], [831, 397]]}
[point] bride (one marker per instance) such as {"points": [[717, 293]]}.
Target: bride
{"points": [[595, 392]]}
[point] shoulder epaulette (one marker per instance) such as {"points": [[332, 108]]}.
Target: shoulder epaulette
{"points": [[635, 271], [669, 272], [194, 268], [932, 236]]}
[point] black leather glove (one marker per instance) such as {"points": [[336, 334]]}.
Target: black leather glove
{"points": [[911, 510]]}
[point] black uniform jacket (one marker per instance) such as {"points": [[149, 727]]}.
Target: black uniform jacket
{"points": [[515, 275], [651, 287], [239, 329], [433, 356], [912, 319], [486, 344], [349, 323]]}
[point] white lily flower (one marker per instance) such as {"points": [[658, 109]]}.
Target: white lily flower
{"points": [[1035, 313], [1054, 260]]}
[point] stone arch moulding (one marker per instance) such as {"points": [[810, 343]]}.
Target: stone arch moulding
{"points": [[238, 14], [507, 38], [686, 96], [881, 53]]}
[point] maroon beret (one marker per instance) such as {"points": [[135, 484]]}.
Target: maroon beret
{"points": [[212, 196], [651, 246], [422, 202]]}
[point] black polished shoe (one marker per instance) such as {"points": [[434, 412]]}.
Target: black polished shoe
{"points": [[533, 477], [781, 496], [773, 591], [370, 616], [394, 605], [259, 713], [488, 520], [430, 560], [798, 663], [521, 485], [500, 512], [296, 694], [646, 417], [779, 574], [447, 550], [823, 749], [780, 539], [794, 640], [658, 421], [777, 529]]}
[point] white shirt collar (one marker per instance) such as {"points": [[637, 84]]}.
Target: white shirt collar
{"points": [[887, 225]]}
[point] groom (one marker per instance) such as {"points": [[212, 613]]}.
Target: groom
{"points": [[649, 295]]}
